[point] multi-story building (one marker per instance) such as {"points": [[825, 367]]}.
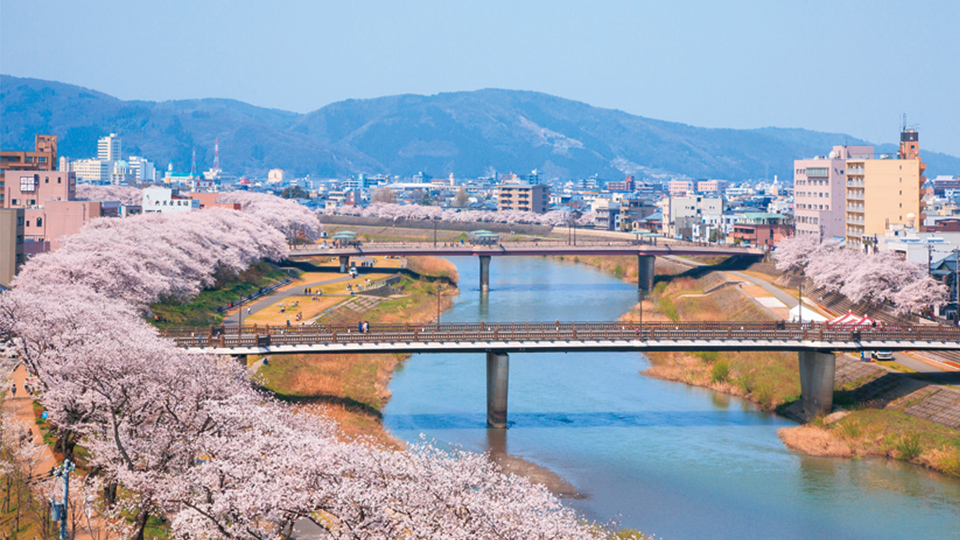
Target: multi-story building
{"points": [[607, 214], [275, 176], [108, 148], [682, 214], [142, 170], [820, 191], [11, 243], [711, 187], [678, 188], [633, 211], [524, 197], [626, 185], [92, 171], [884, 192], [761, 230]]}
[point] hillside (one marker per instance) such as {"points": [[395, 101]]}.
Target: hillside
{"points": [[467, 133]]}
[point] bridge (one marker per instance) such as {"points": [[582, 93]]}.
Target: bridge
{"points": [[815, 344], [646, 253]]}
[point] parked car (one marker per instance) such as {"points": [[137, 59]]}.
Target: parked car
{"points": [[882, 355]]}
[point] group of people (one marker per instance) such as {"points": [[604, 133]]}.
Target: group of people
{"points": [[363, 327]]}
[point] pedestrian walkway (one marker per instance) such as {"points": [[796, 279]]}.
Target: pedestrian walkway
{"points": [[267, 301]]}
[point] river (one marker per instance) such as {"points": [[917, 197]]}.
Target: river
{"points": [[676, 461]]}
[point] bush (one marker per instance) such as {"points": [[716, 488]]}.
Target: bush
{"points": [[721, 371]]}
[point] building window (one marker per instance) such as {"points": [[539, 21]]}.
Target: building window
{"points": [[39, 222]]}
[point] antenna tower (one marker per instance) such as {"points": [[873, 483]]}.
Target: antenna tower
{"points": [[903, 122], [216, 154], [193, 162]]}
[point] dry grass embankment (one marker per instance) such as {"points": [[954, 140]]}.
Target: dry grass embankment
{"points": [[767, 378], [772, 380], [879, 433], [352, 388]]}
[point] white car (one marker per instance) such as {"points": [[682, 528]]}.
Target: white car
{"points": [[882, 355]]}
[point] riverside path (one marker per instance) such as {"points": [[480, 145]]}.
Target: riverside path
{"points": [[815, 344]]}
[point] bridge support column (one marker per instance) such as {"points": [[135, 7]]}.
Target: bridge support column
{"points": [[817, 371], [242, 360], [344, 263], [484, 273], [498, 375], [645, 272]]}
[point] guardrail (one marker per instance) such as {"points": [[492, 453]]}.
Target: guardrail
{"points": [[543, 244], [260, 336]]}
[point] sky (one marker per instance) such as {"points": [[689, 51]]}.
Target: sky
{"points": [[839, 66]]}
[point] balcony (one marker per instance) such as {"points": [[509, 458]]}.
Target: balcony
{"points": [[854, 220], [855, 183], [855, 195], [855, 208]]}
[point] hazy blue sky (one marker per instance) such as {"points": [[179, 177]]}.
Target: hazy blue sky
{"points": [[849, 67]]}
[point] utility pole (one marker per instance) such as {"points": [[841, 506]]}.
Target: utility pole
{"points": [[435, 233], [438, 305], [956, 281], [58, 510], [800, 307]]}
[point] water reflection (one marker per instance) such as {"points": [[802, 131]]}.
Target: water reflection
{"points": [[578, 420]]}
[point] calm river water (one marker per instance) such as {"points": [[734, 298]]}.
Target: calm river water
{"points": [[668, 459]]}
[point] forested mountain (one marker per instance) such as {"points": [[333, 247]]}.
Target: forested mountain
{"points": [[466, 133]]}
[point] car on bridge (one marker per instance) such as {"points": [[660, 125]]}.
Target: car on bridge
{"points": [[882, 355]]}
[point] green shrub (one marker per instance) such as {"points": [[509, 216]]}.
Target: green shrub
{"points": [[721, 371]]}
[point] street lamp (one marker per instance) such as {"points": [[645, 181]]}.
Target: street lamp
{"points": [[439, 287]]}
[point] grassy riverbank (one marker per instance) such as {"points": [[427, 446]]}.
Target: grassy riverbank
{"points": [[352, 388], [771, 380]]}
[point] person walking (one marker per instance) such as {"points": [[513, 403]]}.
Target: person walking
{"points": [[13, 390]]}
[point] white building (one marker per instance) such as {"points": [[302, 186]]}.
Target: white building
{"points": [[142, 171], [157, 199], [683, 213], [93, 171], [275, 176], [108, 148]]}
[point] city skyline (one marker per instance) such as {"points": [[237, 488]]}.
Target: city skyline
{"points": [[851, 68]]}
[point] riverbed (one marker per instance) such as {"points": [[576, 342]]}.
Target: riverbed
{"points": [[676, 461]]}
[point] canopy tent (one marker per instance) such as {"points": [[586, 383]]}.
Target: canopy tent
{"points": [[809, 315], [851, 320]]}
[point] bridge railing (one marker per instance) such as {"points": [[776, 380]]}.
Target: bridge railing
{"points": [[593, 331], [541, 244]]}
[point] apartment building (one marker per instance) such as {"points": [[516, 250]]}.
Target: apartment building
{"points": [[11, 244], [524, 197], [680, 187], [884, 191], [820, 188], [684, 214]]}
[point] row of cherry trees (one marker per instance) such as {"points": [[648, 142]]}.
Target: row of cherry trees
{"points": [[193, 439], [412, 211], [875, 277], [125, 194]]}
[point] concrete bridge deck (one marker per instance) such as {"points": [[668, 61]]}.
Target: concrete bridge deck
{"points": [[540, 248], [815, 344], [646, 253]]}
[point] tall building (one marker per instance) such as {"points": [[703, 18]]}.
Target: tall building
{"points": [[885, 191], [42, 158], [524, 197], [820, 188], [108, 148], [679, 187], [685, 214], [11, 243]]}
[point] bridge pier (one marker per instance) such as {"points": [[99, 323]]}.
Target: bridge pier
{"points": [[645, 272], [344, 263], [817, 372], [498, 375], [484, 273]]}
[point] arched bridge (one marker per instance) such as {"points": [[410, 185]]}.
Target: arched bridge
{"points": [[645, 252], [815, 344]]}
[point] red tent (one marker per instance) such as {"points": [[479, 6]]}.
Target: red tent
{"points": [[851, 320]]}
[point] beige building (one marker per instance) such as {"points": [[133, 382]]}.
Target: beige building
{"points": [[820, 191], [523, 197], [11, 243], [884, 192]]}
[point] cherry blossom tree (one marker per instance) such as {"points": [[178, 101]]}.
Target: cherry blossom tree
{"points": [[290, 218], [127, 195]]}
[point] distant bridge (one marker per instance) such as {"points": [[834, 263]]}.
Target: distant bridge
{"points": [[645, 252], [815, 343]]}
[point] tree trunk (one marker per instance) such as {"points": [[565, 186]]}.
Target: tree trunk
{"points": [[139, 524], [110, 494]]}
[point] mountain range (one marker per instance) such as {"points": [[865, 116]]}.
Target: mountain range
{"points": [[469, 134]]}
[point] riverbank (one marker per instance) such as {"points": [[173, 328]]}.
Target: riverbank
{"points": [[875, 424]]}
